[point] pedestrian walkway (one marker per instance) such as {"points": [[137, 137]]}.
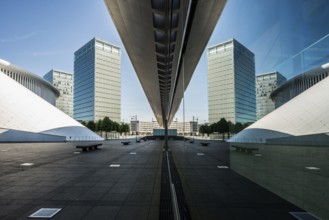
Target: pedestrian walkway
{"points": [[214, 191], [124, 182]]}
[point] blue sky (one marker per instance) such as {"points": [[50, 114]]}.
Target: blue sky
{"points": [[39, 35]]}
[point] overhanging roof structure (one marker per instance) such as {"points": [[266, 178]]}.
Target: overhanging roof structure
{"points": [[165, 40], [30, 75]]}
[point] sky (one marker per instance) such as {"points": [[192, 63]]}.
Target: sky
{"points": [[40, 35]]}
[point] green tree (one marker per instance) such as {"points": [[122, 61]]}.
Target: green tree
{"points": [[106, 125], [207, 129], [230, 128], [123, 128], [223, 126], [238, 127], [91, 125], [98, 126], [116, 126], [202, 130]]}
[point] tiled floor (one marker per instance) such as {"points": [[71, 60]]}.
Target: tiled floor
{"points": [[83, 185], [86, 187], [214, 193]]}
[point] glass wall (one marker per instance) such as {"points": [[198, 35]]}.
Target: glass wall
{"points": [[285, 36], [84, 80], [290, 37]]}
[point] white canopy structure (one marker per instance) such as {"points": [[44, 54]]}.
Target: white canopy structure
{"points": [[304, 115], [25, 116]]}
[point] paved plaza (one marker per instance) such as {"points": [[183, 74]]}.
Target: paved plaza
{"points": [[124, 182]]}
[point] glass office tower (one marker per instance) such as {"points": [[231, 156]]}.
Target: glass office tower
{"points": [[97, 81], [265, 84], [231, 83], [63, 81]]}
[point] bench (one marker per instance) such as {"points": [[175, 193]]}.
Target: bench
{"points": [[86, 147], [125, 142], [205, 144], [248, 150], [143, 139]]}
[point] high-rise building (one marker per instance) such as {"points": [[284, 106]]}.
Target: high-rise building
{"points": [[97, 81], [63, 81], [265, 84], [231, 83]]}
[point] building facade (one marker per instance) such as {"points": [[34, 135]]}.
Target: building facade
{"points": [[147, 127], [265, 84], [97, 81], [63, 81], [231, 83], [31, 81]]}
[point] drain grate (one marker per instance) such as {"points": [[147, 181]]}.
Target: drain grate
{"points": [[304, 216], [45, 213]]}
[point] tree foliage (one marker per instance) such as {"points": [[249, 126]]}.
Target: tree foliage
{"points": [[223, 127], [106, 125]]}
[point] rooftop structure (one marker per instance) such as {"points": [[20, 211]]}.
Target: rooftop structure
{"points": [[299, 84]]}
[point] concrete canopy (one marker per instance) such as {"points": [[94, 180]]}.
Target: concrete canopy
{"points": [[165, 40]]}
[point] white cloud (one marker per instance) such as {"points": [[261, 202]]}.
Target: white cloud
{"points": [[19, 38]]}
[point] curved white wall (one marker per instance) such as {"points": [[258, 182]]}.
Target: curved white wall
{"points": [[23, 110], [306, 114]]}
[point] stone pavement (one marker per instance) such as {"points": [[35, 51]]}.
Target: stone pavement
{"points": [[85, 186], [82, 184], [214, 191]]}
